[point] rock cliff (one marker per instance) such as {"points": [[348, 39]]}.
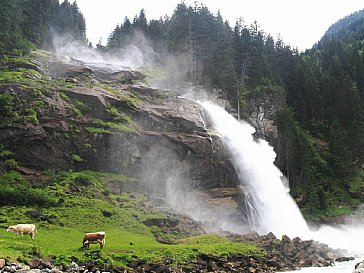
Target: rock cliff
{"points": [[61, 113]]}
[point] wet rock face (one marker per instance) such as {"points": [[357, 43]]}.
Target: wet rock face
{"points": [[261, 114], [101, 117]]}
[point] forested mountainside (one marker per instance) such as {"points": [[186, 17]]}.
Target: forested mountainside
{"points": [[320, 129], [320, 92], [350, 27], [26, 24]]}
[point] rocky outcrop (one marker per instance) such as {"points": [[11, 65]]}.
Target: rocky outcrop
{"points": [[101, 117], [291, 254], [261, 112]]}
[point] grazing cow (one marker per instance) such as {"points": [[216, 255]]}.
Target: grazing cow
{"points": [[22, 229], [94, 238]]}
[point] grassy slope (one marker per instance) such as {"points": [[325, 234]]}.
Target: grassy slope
{"points": [[127, 237]]}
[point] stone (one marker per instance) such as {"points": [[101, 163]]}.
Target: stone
{"points": [[47, 265], [344, 259], [2, 263], [34, 263], [74, 266], [271, 236], [213, 266], [55, 270], [159, 269]]}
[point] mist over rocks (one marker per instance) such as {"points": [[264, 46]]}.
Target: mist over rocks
{"points": [[104, 117]]}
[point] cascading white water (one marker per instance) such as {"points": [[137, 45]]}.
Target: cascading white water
{"points": [[276, 211]]}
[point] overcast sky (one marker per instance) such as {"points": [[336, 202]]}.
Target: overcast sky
{"points": [[300, 23]]}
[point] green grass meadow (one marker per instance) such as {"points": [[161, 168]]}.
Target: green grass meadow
{"points": [[93, 209]]}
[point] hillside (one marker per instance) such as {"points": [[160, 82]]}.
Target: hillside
{"points": [[350, 27], [89, 149], [309, 106], [88, 144]]}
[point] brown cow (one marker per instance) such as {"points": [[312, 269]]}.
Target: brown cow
{"points": [[22, 229], [94, 238]]}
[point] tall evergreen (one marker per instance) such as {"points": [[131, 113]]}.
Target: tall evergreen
{"points": [[70, 21], [12, 38], [38, 16], [29, 23]]}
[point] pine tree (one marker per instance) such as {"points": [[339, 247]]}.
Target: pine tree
{"points": [[12, 39]]}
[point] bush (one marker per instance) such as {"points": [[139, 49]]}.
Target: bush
{"points": [[11, 164], [83, 179], [6, 103], [76, 158], [16, 191]]}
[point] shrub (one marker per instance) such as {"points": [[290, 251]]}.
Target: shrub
{"points": [[16, 191], [11, 164], [6, 102], [5, 153], [83, 179], [76, 158], [31, 116]]}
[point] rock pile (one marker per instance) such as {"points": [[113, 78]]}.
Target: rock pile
{"points": [[294, 253]]}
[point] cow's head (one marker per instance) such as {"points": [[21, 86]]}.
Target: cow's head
{"points": [[10, 228]]}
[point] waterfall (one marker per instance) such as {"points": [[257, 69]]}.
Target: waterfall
{"points": [[274, 209]]}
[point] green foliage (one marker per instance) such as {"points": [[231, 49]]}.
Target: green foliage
{"points": [[5, 153], [76, 158], [69, 21], [81, 106], [119, 127], [349, 28], [356, 185], [6, 103], [30, 116], [75, 110], [7, 109], [321, 145], [11, 164], [27, 23], [128, 239], [97, 130], [12, 39], [84, 179], [16, 191], [113, 111], [66, 177]]}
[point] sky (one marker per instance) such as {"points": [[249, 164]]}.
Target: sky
{"points": [[299, 23]]}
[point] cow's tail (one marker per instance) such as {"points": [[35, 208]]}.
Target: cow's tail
{"points": [[103, 240]]}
